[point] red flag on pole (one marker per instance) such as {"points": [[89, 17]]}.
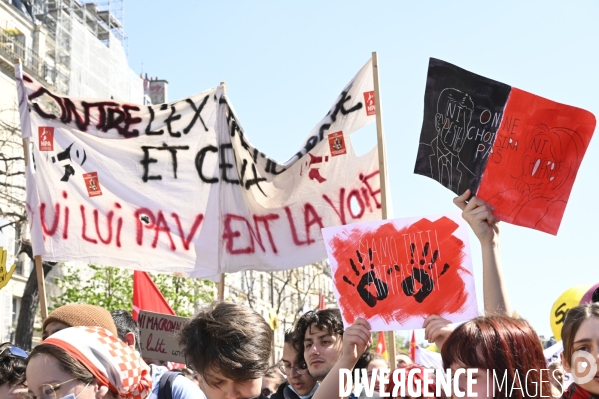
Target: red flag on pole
{"points": [[413, 347], [147, 296], [381, 345], [321, 304]]}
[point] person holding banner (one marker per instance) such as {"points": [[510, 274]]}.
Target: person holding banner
{"points": [[87, 363], [580, 335]]}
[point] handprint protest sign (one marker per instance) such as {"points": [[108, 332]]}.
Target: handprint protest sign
{"points": [[518, 151], [395, 273]]}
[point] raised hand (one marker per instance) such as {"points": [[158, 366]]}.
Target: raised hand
{"points": [[356, 339], [437, 330], [479, 216], [5, 275]]}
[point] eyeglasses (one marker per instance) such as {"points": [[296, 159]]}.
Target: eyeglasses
{"points": [[286, 369], [49, 390], [14, 351]]}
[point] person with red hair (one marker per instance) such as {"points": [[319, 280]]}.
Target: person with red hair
{"points": [[507, 353]]}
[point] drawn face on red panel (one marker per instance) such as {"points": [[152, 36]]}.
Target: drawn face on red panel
{"points": [[550, 157], [396, 274]]}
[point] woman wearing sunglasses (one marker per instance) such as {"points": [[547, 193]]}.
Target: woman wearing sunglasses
{"points": [[13, 361], [86, 363]]}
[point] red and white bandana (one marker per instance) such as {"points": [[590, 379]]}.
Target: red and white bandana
{"points": [[114, 363]]}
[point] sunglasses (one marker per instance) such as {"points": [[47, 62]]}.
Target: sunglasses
{"points": [[14, 351]]}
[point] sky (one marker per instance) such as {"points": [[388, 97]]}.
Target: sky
{"points": [[286, 62]]}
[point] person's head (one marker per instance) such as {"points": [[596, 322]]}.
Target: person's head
{"points": [[229, 346], [297, 374], [580, 336], [503, 346], [556, 374], [127, 328], [403, 359], [271, 381], [373, 362], [88, 362], [454, 111], [77, 314], [13, 362], [318, 338]]}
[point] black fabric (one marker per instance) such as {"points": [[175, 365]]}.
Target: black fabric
{"points": [[165, 390]]}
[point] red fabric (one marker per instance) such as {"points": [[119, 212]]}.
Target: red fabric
{"points": [[576, 392], [146, 296], [381, 345], [413, 347], [321, 305]]}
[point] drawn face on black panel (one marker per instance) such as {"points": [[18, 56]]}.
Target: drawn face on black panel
{"points": [[454, 111]]}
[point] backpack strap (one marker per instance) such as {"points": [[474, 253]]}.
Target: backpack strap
{"points": [[165, 389]]}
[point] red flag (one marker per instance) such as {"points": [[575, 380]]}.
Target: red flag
{"points": [[146, 296], [381, 345], [321, 305], [413, 347]]}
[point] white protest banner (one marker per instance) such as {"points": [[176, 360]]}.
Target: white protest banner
{"points": [[179, 188], [157, 336], [395, 273]]}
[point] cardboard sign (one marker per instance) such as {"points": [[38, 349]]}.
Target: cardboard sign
{"points": [[518, 151], [157, 336], [395, 273]]}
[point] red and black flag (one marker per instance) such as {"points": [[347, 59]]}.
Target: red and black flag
{"points": [[517, 151]]}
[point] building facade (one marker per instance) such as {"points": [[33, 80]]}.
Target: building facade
{"points": [[74, 49]]}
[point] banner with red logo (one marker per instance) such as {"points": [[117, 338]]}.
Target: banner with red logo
{"points": [[178, 187]]}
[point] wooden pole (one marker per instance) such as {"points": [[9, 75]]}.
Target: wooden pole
{"points": [[39, 269], [221, 283], [380, 134]]}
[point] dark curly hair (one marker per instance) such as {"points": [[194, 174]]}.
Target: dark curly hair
{"points": [[12, 368], [328, 320], [231, 340]]}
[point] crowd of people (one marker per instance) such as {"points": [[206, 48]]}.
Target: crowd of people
{"points": [[90, 353]]}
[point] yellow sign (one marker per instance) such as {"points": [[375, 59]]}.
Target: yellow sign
{"points": [[273, 319], [569, 299], [5, 275]]}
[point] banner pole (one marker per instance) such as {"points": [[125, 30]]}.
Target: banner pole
{"points": [[221, 284], [39, 268], [380, 135]]}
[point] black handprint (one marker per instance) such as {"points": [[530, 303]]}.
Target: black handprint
{"points": [[420, 274], [382, 290]]}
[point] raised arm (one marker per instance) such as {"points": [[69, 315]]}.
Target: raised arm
{"points": [[356, 339], [479, 216]]}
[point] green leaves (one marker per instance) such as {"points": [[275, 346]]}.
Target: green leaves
{"points": [[112, 288]]}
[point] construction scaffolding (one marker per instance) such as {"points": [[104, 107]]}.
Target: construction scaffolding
{"points": [[86, 51]]}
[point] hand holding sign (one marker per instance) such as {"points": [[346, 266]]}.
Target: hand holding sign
{"points": [[479, 216], [5, 275]]}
